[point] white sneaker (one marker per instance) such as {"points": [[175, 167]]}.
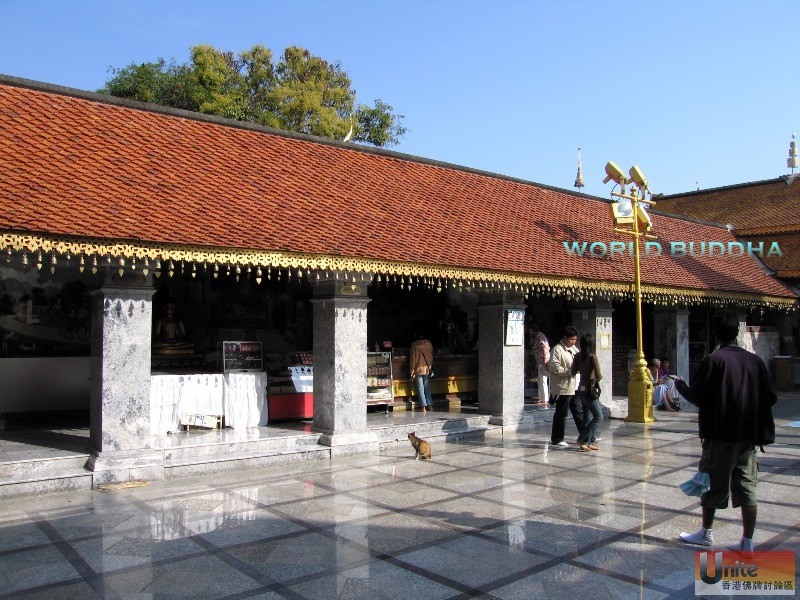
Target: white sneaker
{"points": [[698, 538], [745, 547], [562, 443]]}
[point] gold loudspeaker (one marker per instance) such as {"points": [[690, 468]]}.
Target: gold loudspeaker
{"points": [[638, 177], [613, 172]]}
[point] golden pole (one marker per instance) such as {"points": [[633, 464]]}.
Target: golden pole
{"points": [[640, 385]]}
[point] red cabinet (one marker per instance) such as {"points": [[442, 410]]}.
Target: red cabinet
{"points": [[287, 407]]}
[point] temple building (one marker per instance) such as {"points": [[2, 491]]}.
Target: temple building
{"points": [[764, 217], [165, 269]]}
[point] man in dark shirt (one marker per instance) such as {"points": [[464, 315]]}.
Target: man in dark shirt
{"points": [[735, 393]]}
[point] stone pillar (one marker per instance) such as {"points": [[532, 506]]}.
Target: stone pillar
{"points": [[340, 366], [671, 338], [596, 318], [787, 324], [501, 367], [122, 322]]}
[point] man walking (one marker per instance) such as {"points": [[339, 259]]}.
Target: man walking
{"points": [[563, 384], [735, 393]]}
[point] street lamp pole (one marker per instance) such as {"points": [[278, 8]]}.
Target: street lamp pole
{"points": [[640, 384]]}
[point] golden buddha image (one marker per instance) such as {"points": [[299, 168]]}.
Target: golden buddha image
{"points": [[169, 336]]}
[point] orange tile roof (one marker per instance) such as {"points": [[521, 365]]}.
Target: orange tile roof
{"points": [[787, 263], [80, 164], [766, 206], [762, 211]]}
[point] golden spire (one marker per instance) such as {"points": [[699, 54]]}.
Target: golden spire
{"points": [[579, 177]]}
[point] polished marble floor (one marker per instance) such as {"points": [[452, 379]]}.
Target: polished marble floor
{"points": [[498, 517]]}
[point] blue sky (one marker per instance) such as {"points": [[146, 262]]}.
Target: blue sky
{"points": [[691, 91]]}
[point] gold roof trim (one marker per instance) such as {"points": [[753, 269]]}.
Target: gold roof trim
{"points": [[436, 275]]}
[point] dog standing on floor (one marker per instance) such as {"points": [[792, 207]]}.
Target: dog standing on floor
{"points": [[421, 447]]}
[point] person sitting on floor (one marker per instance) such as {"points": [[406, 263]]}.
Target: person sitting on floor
{"points": [[663, 394]]}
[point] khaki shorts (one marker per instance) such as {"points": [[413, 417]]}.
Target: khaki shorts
{"points": [[733, 470]]}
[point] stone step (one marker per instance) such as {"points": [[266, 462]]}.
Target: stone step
{"points": [[45, 482], [216, 463], [450, 430], [222, 447], [33, 466]]}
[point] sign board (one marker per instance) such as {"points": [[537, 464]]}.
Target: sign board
{"points": [[515, 327], [241, 357]]}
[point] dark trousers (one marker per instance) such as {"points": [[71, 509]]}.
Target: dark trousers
{"points": [[564, 403], [594, 416]]}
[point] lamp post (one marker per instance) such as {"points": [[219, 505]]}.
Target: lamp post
{"points": [[631, 214]]}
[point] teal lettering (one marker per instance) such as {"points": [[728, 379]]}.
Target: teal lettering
{"points": [[616, 248], [655, 246], [751, 248], [677, 248], [737, 245], [774, 250], [600, 245], [718, 245], [577, 247]]}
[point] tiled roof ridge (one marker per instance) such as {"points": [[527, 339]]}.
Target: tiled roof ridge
{"points": [[249, 126], [788, 228], [686, 218], [787, 179]]}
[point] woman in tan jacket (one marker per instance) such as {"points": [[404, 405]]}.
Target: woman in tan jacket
{"points": [[420, 361]]}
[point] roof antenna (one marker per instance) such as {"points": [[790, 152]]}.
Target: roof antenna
{"points": [[579, 177], [792, 161]]}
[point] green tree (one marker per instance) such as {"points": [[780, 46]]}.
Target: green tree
{"points": [[299, 92]]}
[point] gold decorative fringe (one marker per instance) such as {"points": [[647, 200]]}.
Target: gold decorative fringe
{"points": [[115, 254]]}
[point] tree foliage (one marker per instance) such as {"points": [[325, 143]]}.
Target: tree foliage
{"points": [[299, 92]]}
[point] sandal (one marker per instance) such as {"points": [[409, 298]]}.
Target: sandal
{"points": [[592, 447], [585, 447]]}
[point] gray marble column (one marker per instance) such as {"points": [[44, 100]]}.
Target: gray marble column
{"points": [[787, 322], [501, 367], [120, 385], [671, 338], [340, 366], [597, 318]]}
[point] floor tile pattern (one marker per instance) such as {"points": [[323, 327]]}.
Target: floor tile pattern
{"points": [[505, 517]]}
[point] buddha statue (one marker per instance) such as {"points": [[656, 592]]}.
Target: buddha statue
{"points": [[169, 335]]}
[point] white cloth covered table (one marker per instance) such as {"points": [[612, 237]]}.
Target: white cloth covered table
{"points": [[239, 397], [245, 400]]}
